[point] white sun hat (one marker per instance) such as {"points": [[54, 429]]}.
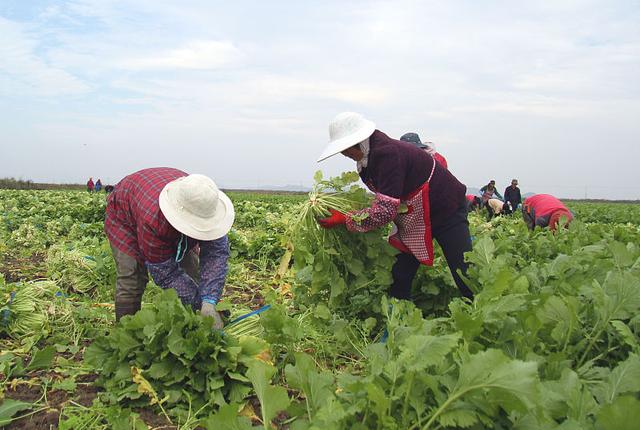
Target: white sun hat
{"points": [[345, 130], [195, 206]]}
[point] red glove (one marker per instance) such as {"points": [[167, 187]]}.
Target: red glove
{"points": [[337, 218]]}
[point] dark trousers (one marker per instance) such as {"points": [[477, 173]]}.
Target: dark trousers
{"points": [[454, 239], [132, 279]]}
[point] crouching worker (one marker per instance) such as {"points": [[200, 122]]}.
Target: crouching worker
{"points": [[544, 210], [157, 220], [496, 207], [398, 172], [473, 202]]}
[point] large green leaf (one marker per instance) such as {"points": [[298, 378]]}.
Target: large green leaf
{"points": [[9, 408], [623, 414], [42, 359], [272, 399], [304, 376], [624, 378], [489, 378], [227, 418]]}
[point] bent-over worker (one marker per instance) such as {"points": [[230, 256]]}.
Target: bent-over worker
{"points": [[429, 147], [398, 172], [544, 210], [496, 207], [156, 219], [473, 202]]}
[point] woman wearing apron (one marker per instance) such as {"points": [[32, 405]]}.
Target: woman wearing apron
{"points": [[400, 173]]}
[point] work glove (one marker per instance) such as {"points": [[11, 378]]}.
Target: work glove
{"points": [[337, 218], [208, 309]]}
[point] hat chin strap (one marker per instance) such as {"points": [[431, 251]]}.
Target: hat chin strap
{"points": [[182, 249]]}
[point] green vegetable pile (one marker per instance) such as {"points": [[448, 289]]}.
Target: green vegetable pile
{"points": [[29, 308], [168, 355]]}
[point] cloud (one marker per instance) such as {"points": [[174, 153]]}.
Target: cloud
{"points": [[195, 55], [23, 72], [519, 80]]}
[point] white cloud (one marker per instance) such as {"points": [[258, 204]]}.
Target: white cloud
{"points": [[23, 72], [195, 55], [518, 80]]}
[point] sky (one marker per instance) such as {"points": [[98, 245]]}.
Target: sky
{"points": [[544, 91]]}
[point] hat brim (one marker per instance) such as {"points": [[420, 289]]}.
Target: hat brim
{"points": [[346, 142], [196, 227], [417, 145]]}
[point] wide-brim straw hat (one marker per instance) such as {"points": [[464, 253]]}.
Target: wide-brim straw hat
{"points": [[195, 206], [345, 130]]}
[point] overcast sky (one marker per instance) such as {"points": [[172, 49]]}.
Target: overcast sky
{"points": [[545, 91]]}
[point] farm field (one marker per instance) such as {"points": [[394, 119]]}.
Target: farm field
{"points": [[551, 341]]}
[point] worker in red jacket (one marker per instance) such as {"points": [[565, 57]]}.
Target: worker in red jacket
{"points": [[544, 210], [173, 226], [400, 173], [473, 202]]}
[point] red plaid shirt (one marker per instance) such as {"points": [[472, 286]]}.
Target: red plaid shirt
{"points": [[134, 223]]}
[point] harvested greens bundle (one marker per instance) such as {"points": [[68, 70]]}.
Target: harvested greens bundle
{"points": [[348, 271], [79, 272], [29, 308]]}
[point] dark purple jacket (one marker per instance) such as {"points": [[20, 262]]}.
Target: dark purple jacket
{"points": [[397, 168]]}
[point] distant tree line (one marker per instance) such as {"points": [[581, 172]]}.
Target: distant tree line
{"points": [[21, 184]]}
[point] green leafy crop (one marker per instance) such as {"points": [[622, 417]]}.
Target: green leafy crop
{"points": [[349, 272], [185, 361]]}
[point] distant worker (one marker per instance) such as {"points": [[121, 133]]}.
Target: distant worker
{"points": [[512, 194], [98, 186], [429, 148], [473, 202], [496, 207], [488, 191], [108, 188], [90, 185], [155, 220], [544, 210]]}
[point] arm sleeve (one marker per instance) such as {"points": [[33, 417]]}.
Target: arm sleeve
{"points": [[383, 210], [169, 274], [214, 255], [498, 195]]}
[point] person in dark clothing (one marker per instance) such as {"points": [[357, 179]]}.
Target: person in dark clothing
{"points": [[109, 188], [398, 172], [512, 194], [90, 185]]}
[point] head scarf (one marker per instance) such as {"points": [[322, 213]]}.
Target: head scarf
{"points": [[364, 147]]}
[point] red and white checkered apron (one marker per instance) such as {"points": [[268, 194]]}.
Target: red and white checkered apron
{"points": [[414, 225]]}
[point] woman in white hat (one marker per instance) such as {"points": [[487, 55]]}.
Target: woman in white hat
{"points": [[399, 172], [155, 219]]}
